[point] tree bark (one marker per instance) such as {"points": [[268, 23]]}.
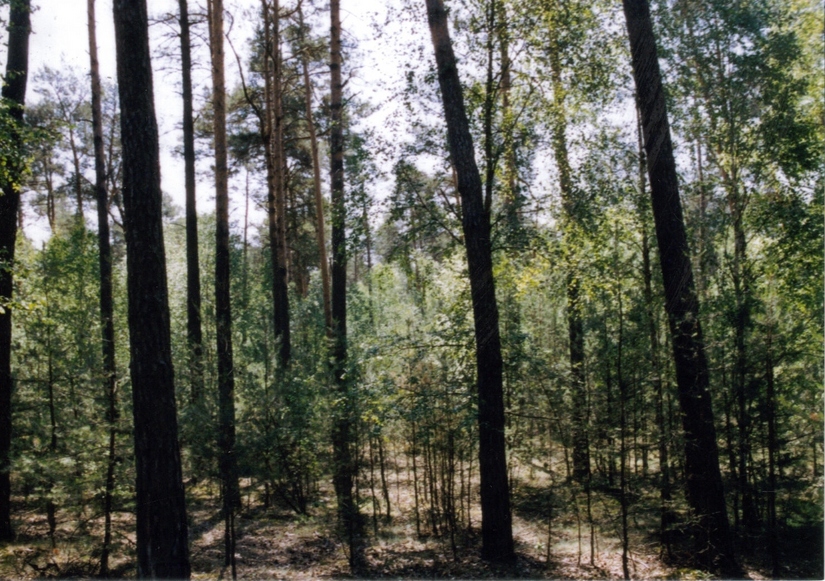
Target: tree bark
{"points": [[316, 178], [705, 492], [276, 204], [162, 544], [14, 92], [496, 520], [512, 199], [342, 437], [194, 334], [223, 304], [107, 328], [773, 452]]}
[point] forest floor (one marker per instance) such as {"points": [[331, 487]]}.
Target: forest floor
{"points": [[277, 543]]}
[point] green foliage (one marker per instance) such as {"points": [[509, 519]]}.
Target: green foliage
{"points": [[14, 154], [61, 430], [745, 99]]}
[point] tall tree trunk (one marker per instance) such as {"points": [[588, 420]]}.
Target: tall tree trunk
{"points": [[276, 191], [342, 438], [705, 492], [741, 289], [581, 444], [194, 334], [316, 176], [512, 199], [223, 304], [666, 514], [107, 328], [623, 500], [490, 159], [496, 520], [773, 452], [162, 543], [50, 505], [14, 91]]}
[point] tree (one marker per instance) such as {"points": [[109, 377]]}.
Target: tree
{"points": [[162, 540], [194, 333], [223, 303], [581, 445], [342, 431], [320, 232], [742, 107], [14, 97], [107, 327], [496, 524], [704, 480], [273, 135]]}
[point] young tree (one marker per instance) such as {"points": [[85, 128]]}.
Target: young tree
{"points": [[162, 541], [705, 492], [496, 523], [14, 96]]}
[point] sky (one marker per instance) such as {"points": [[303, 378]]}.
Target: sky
{"points": [[59, 39]]}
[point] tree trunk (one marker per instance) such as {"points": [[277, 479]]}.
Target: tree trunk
{"points": [[623, 500], [276, 205], [512, 199], [666, 514], [316, 177], [78, 184], [223, 304], [490, 159], [342, 437], [107, 328], [581, 444], [14, 91], [194, 334], [741, 291], [705, 492], [162, 543], [50, 506], [496, 523], [773, 452]]}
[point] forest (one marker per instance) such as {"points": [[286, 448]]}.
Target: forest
{"points": [[546, 303]]}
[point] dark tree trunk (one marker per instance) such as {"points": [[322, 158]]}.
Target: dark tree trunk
{"points": [[279, 248], [275, 168], [496, 523], [162, 544], [14, 91], [773, 453], [342, 437], [194, 334], [623, 500], [107, 328], [705, 492], [750, 515], [223, 305]]}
